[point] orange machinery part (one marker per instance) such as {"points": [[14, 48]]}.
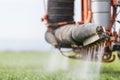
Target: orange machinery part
{"points": [[86, 13], [115, 2], [113, 15]]}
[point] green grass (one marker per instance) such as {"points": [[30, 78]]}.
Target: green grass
{"points": [[111, 71], [33, 66]]}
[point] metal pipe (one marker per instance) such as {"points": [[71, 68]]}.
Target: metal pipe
{"points": [[89, 17], [74, 35], [82, 2], [86, 11], [85, 5]]}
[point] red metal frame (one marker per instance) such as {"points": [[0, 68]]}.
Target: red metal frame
{"points": [[115, 2], [86, 13], [86, 18]]}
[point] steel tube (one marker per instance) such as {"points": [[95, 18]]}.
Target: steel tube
{"points": [[82, 32], [101, 13], [72, 34]]}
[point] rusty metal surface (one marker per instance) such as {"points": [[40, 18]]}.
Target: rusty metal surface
{"points": [[74, 35], [84, 31]]}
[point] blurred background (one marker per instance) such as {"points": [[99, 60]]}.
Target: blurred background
{"points": [[21, 28]]}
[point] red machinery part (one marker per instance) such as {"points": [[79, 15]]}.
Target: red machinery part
{"points": [[116, 2], [86, 37]]}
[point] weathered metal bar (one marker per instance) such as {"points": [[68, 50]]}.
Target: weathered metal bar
{"points": [[81, 32], [76, 35], [64, 35]]}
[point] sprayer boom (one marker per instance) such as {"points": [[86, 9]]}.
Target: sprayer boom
{"points": [[94, 36]]}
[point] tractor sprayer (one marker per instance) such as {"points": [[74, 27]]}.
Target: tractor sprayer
{"points": [[98, 28]]}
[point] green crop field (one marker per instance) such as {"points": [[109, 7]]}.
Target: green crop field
{"points": [[34, 66]]}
